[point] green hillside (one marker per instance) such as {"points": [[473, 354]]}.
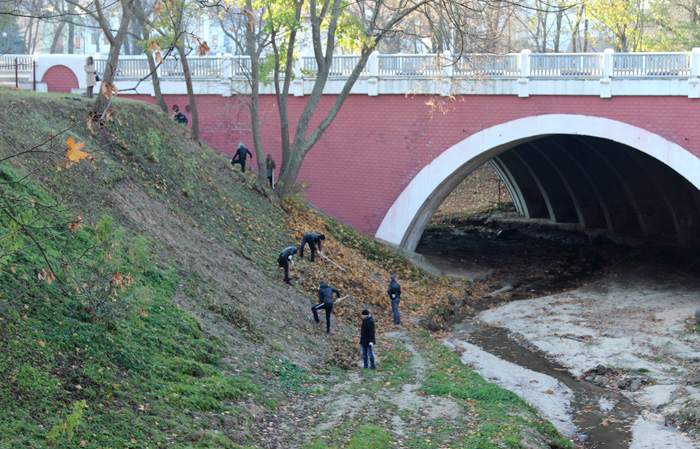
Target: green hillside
{"points": [[141, 305]]}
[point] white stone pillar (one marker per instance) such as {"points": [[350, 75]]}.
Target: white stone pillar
{"points": [[524, 80], [447, 71], [606, 80], [373, 80], [298, 82], [694, 80]]}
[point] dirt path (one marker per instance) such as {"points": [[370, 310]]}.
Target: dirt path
{"points": [[364, 392]]}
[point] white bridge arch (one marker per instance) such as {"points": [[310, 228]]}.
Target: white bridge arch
{"points": [[408, 216]]}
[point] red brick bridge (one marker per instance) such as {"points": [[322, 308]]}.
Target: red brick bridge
{"points": [[608, 142]]}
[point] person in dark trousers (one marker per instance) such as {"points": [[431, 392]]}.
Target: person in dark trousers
{"points": [[271, 166], [325, 296], [367, 338], [394, 292], [284, 258], [241, 154], [313, 240], [179, 117]]}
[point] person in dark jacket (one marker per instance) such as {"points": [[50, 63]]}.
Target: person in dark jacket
{"points": [[284, 258], [394, 292], [325, 296], [241, 154], [367, 338], [179, 117], [313, 240], [271, 166]]}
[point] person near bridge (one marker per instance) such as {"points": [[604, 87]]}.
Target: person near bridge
{"points": [[325, 296], [367, 338], [283, 260], [240, 157], [394, 292], [313, 240]]}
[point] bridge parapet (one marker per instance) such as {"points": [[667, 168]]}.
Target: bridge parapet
{"points": [[523, 74]]}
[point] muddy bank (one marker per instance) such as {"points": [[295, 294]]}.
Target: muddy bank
{"points": [[618, 317], [628, 331]]}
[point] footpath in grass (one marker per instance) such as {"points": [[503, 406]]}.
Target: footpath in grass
{"points": [[421, 396]]}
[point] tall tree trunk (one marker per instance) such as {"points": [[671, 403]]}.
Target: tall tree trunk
{"points": [[160, 101], [190, 92], [56, 37], [102, 102], [71, 38]]}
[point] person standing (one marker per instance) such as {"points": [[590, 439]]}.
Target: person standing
{"points": [[241, 154], [313, 240], [394, 292], [283, 260], [179, 117], [367, 338], [271, 166], [90, 76], [325, 296]]}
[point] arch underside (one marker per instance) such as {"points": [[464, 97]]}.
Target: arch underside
{"points": [[594, 181]]}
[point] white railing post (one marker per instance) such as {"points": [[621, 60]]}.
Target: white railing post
{"points": [[694, 80], [298, 83], [227, 67], [373, 81], [524, 80], [606, 80], [446, 81]]}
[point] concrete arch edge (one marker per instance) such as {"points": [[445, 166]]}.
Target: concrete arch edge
{"points": [[404, 222]]}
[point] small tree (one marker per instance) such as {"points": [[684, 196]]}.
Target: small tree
{"points": [[270, 38]]}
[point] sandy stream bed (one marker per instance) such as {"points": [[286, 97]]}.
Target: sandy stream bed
{"points": [[635, 321]]}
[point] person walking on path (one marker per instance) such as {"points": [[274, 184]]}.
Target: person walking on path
{"points": [[241, 154], [325, 296], [271, 166], [367, 338], [90, 76], [313, 240], [394, 292], [284, 258]]}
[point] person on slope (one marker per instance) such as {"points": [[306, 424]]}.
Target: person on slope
{"points": [[367, 338], [283, 260], [271, 166], [325, 296], [313, 240], [241, 154], [394, 292]]}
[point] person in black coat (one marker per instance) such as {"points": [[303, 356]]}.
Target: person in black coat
{"points": [[313, 240], [394, 292], [241, 154], [367, 338], [284, 258], [325, 295]]}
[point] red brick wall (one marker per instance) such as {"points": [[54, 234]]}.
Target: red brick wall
{"points": [[60, 79], [376, 145]]}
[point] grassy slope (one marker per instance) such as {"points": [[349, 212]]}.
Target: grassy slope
{"points": [[202, 342]]}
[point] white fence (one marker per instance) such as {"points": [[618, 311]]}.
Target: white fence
{"points": [[472, 66]]}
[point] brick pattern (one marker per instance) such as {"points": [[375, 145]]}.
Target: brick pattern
{"points": [[61, 79], [377, 145]]}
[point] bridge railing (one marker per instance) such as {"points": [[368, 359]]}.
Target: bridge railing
{"points": [[568, 65], [539, 65], [486, 65], [651, 65]]}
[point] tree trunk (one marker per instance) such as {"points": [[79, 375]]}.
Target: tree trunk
{"points": [[160, 101], [190, 92], [103, 102]]}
